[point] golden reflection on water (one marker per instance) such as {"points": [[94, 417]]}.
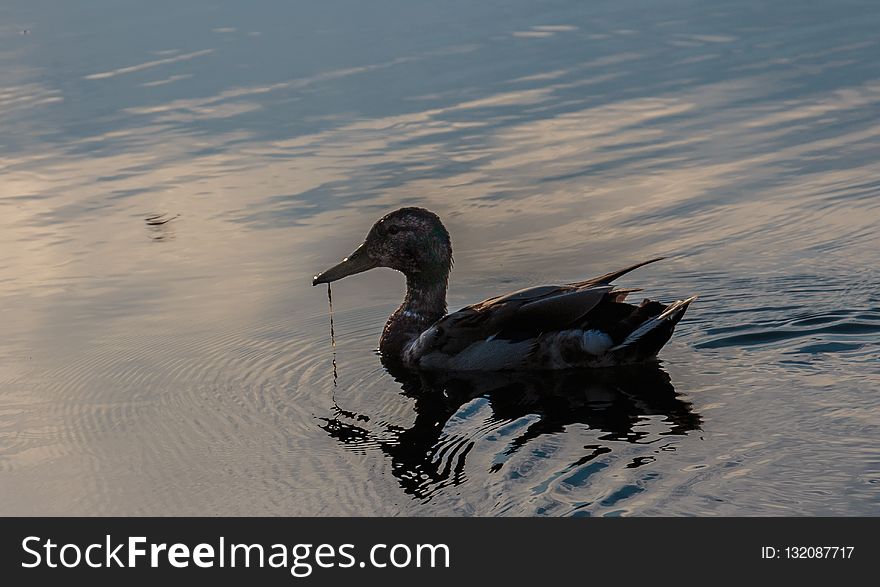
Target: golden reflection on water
{"points": [[536, 164]]}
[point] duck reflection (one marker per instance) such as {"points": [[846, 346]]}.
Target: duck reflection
{"points": [[424, 458]]}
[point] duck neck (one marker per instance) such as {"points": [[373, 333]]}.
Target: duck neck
{"points": [[425, 297], [424, 304]]}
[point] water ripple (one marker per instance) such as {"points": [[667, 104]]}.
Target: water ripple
{"points": [[839, 331]]}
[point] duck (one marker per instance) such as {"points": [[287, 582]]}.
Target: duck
{"points": [[585, 324]]}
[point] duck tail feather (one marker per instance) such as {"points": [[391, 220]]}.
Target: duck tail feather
{"points": [[647, 340], [620, 295]]}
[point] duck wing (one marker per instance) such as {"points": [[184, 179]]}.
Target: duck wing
{"points": [[517, 316], [524, 314], [609, 277]]}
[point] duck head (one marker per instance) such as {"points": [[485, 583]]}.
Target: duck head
{"points": [[410, 240]]}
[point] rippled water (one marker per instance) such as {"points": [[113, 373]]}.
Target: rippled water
{"points": [[160, 364]]}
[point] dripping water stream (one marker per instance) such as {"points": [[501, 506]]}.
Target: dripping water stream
{"points": [[336, 407], [332, 341]]}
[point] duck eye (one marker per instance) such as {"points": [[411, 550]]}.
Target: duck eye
{"points": [[393, 229]]}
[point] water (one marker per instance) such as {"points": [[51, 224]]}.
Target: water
{"points": [[184, 367]]}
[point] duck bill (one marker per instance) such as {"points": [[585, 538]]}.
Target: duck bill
{"points": [[358, 262]]}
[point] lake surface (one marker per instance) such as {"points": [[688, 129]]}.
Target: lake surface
{"points": [[185, 367]]}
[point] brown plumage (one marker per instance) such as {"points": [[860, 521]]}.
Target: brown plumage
{"points": [[582, 324]]}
